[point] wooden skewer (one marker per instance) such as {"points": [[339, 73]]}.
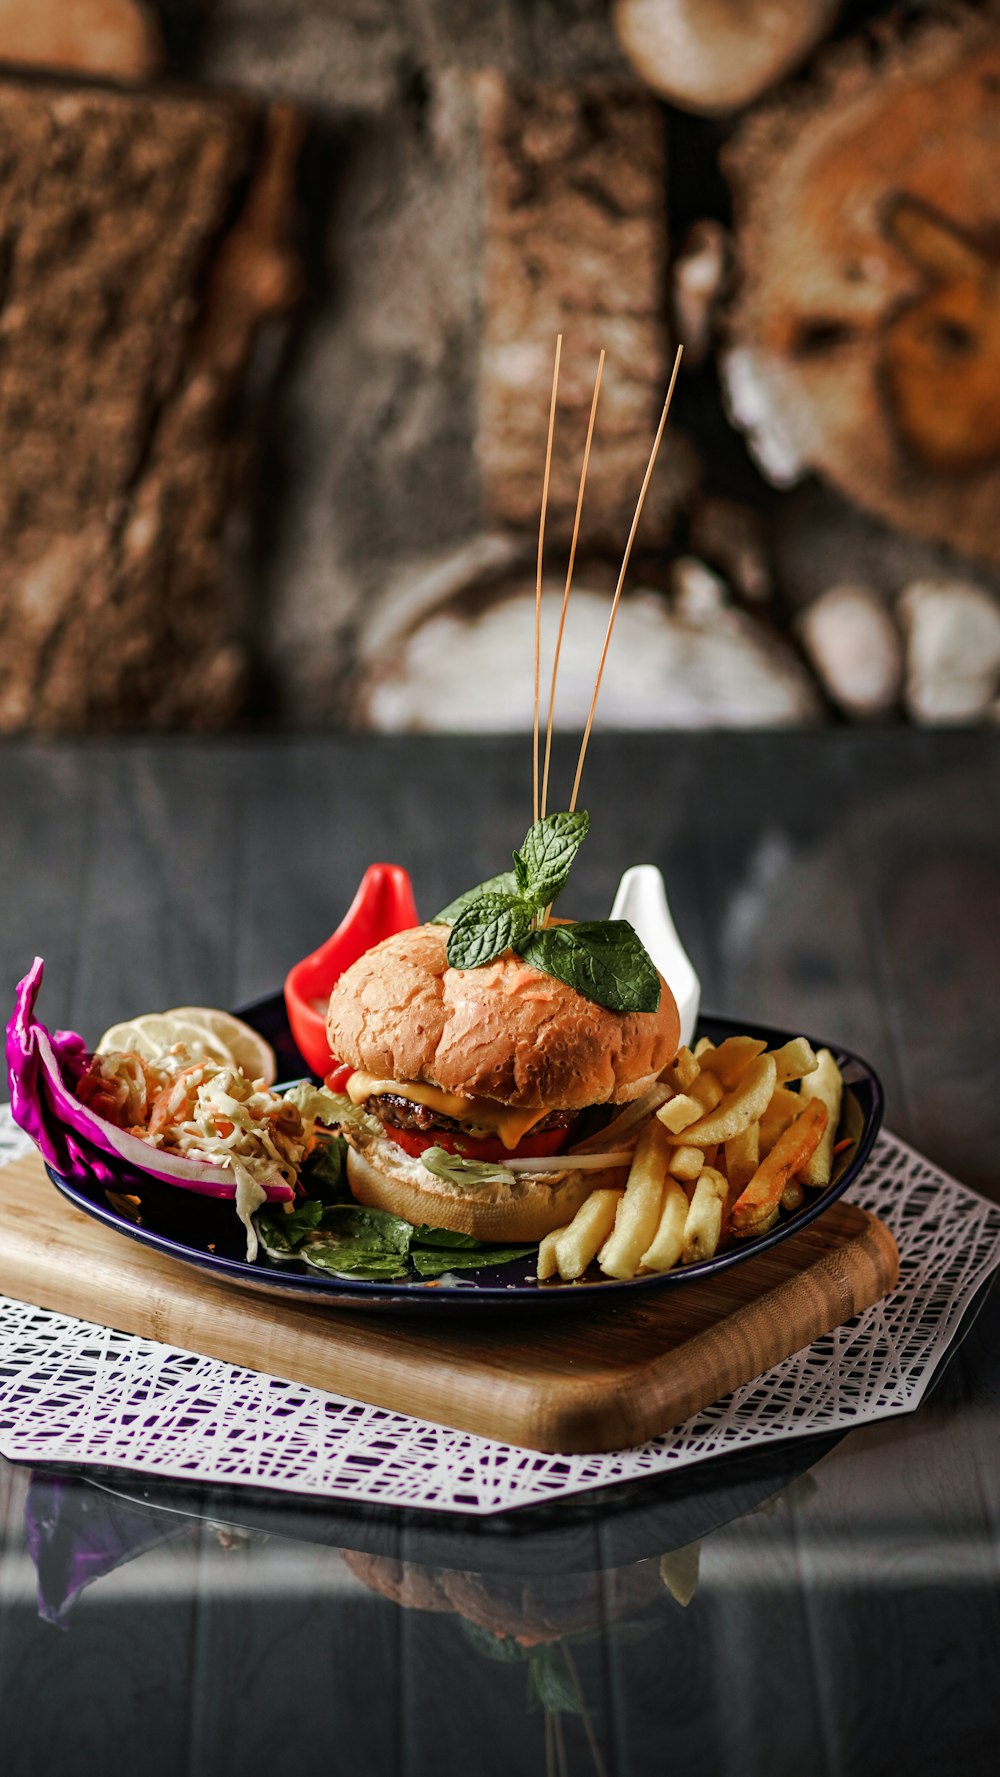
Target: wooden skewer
{"points": [[621, 578], [569, 580], [538, 576]]}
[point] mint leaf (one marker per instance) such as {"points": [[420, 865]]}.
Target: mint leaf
{"points": [[603, 959], [543, 863], [489, 926], [504, 884], [428, 1263], [550, 1686], [462, 1172]]}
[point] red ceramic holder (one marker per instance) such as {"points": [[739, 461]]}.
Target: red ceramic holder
{"points": [[383, 905]]}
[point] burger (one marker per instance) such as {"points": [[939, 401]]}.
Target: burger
{"points": [[470, 1092]]}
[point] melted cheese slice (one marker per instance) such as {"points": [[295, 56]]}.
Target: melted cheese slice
{"points": [[509, 1122]]}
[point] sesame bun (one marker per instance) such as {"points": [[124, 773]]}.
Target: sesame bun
{"points": [[505, 1031]]}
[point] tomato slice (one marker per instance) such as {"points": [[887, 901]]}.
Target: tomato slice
{"points": [[338, 1077], [471, 1147]]}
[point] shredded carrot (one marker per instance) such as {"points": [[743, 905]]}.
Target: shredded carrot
{"points": [[848, 1142]]}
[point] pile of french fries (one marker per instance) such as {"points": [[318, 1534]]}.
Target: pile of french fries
{"points": [[735, 1134]]}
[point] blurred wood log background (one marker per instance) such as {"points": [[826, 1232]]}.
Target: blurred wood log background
{"points": [[142, 240], [202, 519]]}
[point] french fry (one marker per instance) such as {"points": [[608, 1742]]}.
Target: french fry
{"points": [[761, 1200], [736, 1111], [743, 1157], [826, 1084], [682, 1071], [704, 1217], [638, 1214], [703, 1048], [686, 1163], [732, 1058], [665, 1249], [678, 1112], [793, 1196], [793, 1060], [707, 1089], [577, 1244], [783, 1109], [547, 1265]]}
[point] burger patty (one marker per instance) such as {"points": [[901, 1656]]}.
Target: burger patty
{"points": [[400, 1113]]}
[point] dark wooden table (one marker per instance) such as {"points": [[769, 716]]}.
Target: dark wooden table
{"points": [[845, 882]]}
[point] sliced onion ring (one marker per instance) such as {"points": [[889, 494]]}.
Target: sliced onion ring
{"points": [[629, 1119], [572, 1162]]}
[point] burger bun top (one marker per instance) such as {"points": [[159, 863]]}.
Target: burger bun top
{"points": [[505, 1031]]}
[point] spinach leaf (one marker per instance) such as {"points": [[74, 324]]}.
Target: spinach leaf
{"points": [[323, 1173], [376, 1227], [281, 1235], [428, 1262], [424, 1235], [353, 1258], [351, 1241]]}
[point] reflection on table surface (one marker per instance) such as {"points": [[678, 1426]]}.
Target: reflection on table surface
{"points": [[835, 1612], [813, 1607]]}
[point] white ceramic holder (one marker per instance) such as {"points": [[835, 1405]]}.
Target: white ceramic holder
{"points": [[642, 900]]}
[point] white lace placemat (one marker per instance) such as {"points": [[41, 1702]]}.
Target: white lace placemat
{"points": [[74, 1392]]}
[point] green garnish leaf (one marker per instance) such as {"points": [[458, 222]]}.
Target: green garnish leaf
{"points": [[355, 1242], [323, 1174], [281, 1235], [351, 1221], [430, 1263], [552, 1686], [463, 1172], [504, 884], [353, 1258], [489, 926], [435, 1237], [543, 863], [603, 959]]}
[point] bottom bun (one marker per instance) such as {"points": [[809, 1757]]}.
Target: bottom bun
{"points": [[525, 1210]]}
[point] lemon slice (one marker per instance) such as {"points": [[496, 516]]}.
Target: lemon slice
{"points": [[206, 1034], [250, 1053], [154, 1033]]}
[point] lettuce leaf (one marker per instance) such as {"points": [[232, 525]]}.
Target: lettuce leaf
{"points": [[464, 1173]]}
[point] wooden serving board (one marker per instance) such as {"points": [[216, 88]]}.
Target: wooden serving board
{"points": [[573, 1383]]}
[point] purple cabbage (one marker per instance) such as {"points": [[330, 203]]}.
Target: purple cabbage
{"points": [[43, 1069], [76, 1534]]}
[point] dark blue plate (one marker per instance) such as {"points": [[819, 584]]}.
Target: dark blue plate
{"points": [[204, 1231]]}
